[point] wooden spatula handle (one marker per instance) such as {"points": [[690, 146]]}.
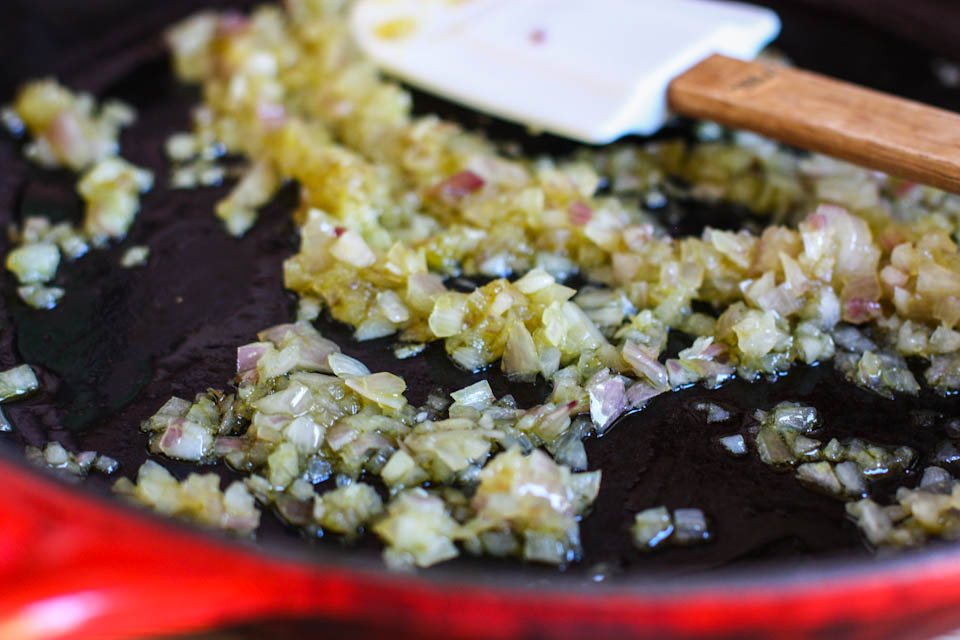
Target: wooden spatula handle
{"points": [[807, 110]]}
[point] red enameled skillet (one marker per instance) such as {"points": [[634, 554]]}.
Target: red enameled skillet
{"points": [[75, 564]]}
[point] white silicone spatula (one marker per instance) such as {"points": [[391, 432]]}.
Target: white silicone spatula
{"points": [[591, 70], [595, 70]]}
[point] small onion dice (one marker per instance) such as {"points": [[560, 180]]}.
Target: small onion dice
{"points": [[17, 382]]}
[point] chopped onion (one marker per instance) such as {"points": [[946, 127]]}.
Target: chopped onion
{"points": [[11, 121], [278, 334], [172, 409], [579, 213], [757, 333], [34, 263], [304, 433], [374, 327], [318, 470], [542, 548], [849, 474], [247, 358], [533, 281], [936, 480], [715, 413], [944, 340], [402, 470], [85, 459], [39, 296], [804, 447], [185, 440], [787, 415], [530, 494], [135, 257], [690, 527], [780, 300], [409, 350], [608, 399], [520, 357], [944, 372], [422, 288], [283, 465], [308, 309], [860, 310], [111, 189], [181, 147], [772, 448], [383, 388], [239, 209], [469, 358], [448, 314], [447, 450], [735, 444], [343, 365], [852, 339], [345, 510], [105, 464], [651, 527], [643, 361], [55, 455], [457, 186], [874, 522], [17, 382], [946, 453], [570, 451], [225, 445], [479, 395], [417, 530], [392, 306], [352, 249], [549, 361], [197, 498], [638, 394], [560, 267], [271, 115]]}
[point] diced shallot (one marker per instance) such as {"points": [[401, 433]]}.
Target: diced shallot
{"points": [[643, 361], [608, 399], [690, 526], [17, 382], [247, 358], [457, 186], [579, 213]]}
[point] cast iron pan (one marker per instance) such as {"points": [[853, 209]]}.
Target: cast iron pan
{"points": [[122, 341]]}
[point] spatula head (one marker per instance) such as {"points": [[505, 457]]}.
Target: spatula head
{"points": [[591, 70]]}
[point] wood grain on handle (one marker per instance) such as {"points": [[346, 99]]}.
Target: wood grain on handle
{"points": [[807, 110]]}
